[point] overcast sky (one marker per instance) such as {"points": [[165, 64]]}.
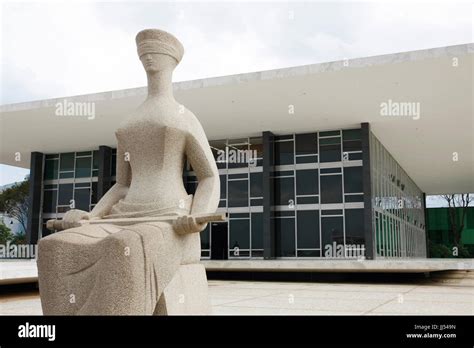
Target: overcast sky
{"points": [[53, 50]]}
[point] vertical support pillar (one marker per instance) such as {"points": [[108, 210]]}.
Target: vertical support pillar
{"points": [[104, 180], [369, 231], [35, 194], [427, 239], [268, 196]]}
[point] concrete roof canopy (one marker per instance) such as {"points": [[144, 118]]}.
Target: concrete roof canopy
{"points": [[325, 96]]}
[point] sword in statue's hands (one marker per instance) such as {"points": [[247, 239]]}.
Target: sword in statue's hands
{"points": [[182, 224]]}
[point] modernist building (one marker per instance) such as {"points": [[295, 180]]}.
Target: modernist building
{"points": [[320, 161]]}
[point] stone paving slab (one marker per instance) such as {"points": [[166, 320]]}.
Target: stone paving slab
{"points": [[294, 298]]}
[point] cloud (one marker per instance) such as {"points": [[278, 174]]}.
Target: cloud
{"points": [[53, 49]]}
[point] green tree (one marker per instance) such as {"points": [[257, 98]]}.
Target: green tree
{"points": [[14, 202], [5, 233], [19, 238]]}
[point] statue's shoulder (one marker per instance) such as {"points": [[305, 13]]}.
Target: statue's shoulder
{"points": [[189, 120]]}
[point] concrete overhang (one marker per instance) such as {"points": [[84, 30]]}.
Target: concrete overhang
{"points": [[325, 96]]}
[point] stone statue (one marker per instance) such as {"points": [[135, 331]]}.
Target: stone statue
{"points": [[151, 266]]}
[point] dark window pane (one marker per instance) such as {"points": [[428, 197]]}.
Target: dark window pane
{"points": [[308, 229], [67, 161], [238, 193], [238, 176], [94, 193], [331, 189], [330, 141], [329, 133], [307, 200], [284, 191], [284, 173], [353, 145], [95, 160], [256, 202], [66, 175], [239, 234], [51, 170], [307, 182], [331, 212], [239, 215], [84, 153], [330, 153], [65, 194], [355, 156], [284, 153], [283, 213], [353, 198], [351, 134], [332, 232], [354, 226], [83, 184], [306, 144], [83, 167], [257, 231], [82, 198], [307, 159], [223, 179], [49, 201], [330, 170], [205, 237], [256, 184], [285, 237], [351, 140], [308, 253], [353, 180], [114, 165]]}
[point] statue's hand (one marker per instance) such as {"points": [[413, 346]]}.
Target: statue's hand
{"points": [[72, 217], [187, 224]]}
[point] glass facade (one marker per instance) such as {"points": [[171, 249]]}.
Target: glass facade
{"points": [[70, 182], [318, 184], [317, 209], [397, 207], [239, 162]]}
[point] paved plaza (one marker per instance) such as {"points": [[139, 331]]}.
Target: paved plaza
{"points": [[296, 298]]}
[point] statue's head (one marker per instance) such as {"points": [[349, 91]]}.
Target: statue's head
{"points": [[158, 50]]}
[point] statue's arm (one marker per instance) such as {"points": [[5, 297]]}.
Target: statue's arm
{"points": [[119, 190], [199, 154]]}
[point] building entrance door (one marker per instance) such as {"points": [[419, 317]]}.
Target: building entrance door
{"points": [[219, 241]]}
